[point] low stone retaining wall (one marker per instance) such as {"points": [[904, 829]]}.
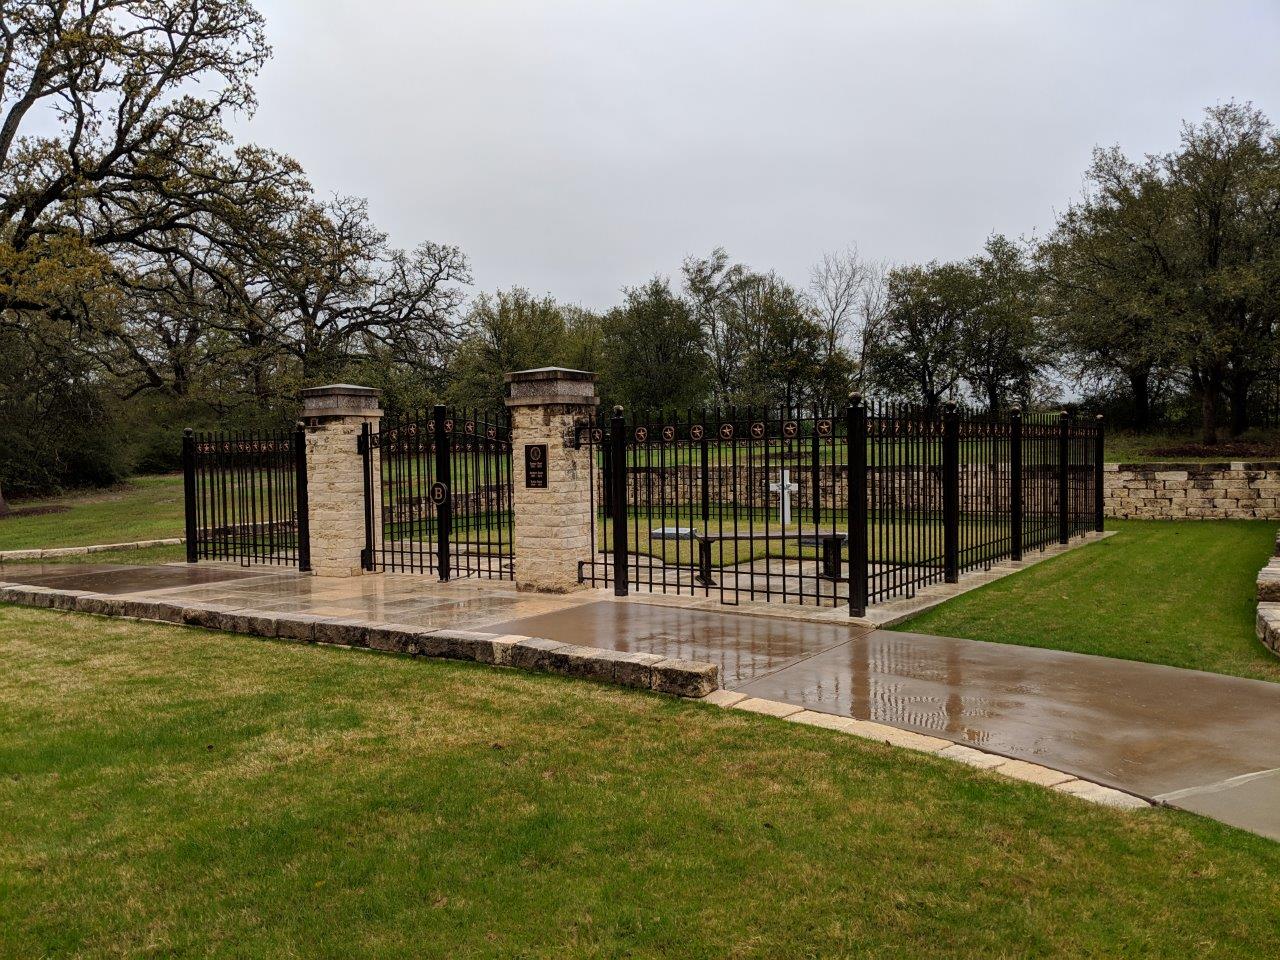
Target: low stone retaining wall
{"points": [[643, 671], [1192, 491], [1268, 623], [42, 553]]}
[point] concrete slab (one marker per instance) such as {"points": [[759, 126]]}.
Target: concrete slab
{"points": [[742, 646], [1251, 801], [1139, 727], [119, 579]]}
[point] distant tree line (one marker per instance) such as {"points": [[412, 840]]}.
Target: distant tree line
{"points": [[154, 273]]}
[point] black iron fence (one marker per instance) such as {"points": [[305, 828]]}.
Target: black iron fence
{"points": [[245, 497], [438, 494], [847, 507]]}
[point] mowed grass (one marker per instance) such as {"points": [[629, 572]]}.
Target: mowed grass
{"points": [[1175, 592], [145, 508], [172, 792]]}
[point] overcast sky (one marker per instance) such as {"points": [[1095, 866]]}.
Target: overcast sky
{"points": [[577, 147]]}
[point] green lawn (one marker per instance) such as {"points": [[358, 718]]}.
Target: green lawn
{"points": [[1123, 446], [1181, 593], [168, 792], [146, 508]]}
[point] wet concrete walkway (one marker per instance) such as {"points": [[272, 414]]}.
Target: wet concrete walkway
{"points": [[1200, 741]]}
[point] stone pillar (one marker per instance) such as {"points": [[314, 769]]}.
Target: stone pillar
{"points": [[552, 505], [333, 416]]}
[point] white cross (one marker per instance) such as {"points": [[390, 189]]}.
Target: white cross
{"points": [[785, 488]]}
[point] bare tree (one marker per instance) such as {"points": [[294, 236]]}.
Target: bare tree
{"points": [[835, 284]]}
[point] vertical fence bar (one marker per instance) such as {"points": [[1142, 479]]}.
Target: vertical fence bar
{"points": [[189, 493], [856, 479], [1015, 484], [444, 506], [301, 502], [618, 500], [366, 454], [951, 493], [1099, 497], [1064, 478]]}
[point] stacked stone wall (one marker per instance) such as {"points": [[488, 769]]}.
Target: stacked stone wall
{"points": [[1192, 491]]}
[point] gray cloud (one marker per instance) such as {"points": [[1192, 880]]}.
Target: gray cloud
{"points": [[574, 147]]}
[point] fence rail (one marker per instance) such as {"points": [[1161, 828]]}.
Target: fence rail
{"points": [[438, 494], [831, 507], [245, 497]]}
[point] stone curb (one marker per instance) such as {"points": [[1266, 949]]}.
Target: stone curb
{"points": [[1005, 766], [47, 552], [692, 679]]}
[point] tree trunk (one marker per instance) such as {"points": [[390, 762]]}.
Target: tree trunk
{"points": [[1140, 389], [5, 509], [1238, 394], [1209, 409]]}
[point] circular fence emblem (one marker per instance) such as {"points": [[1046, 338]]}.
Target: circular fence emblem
{"points": [[597, 435], [668, 434], [696, 432], [448, 426], [439, 493], [757, 430], [491, 432], [642, 434], [726, 431], [824, 428], [470, 426], [790, 428]]}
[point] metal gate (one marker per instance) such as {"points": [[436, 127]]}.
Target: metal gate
{"points": [[437, 494], [843, 507], [245, 497]]}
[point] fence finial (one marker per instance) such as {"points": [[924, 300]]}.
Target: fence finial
{"points": [[188, 432], [617, 409]]}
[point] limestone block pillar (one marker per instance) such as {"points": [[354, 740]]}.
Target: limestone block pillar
{"points": [[552, 501], [333, 416]]}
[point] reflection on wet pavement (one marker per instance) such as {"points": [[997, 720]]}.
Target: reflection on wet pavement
{"points": [[742, 646], [1143, 727]]}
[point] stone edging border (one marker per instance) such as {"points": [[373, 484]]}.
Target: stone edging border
{"points": [[1268, 621], [41, 553], [641, 671], [993, 762]]}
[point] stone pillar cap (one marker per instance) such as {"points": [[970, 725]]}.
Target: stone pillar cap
{"points": [[341, 389], [545, 386], [340, 400]]}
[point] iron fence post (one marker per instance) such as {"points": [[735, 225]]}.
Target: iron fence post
{"points": [[950, 493], [189, 494], [1064, 480], [856, 450], [815, 479], [618, 458], [1015, 483], [444, 476], [365, 447], [1099, 495], [303, 504]]}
